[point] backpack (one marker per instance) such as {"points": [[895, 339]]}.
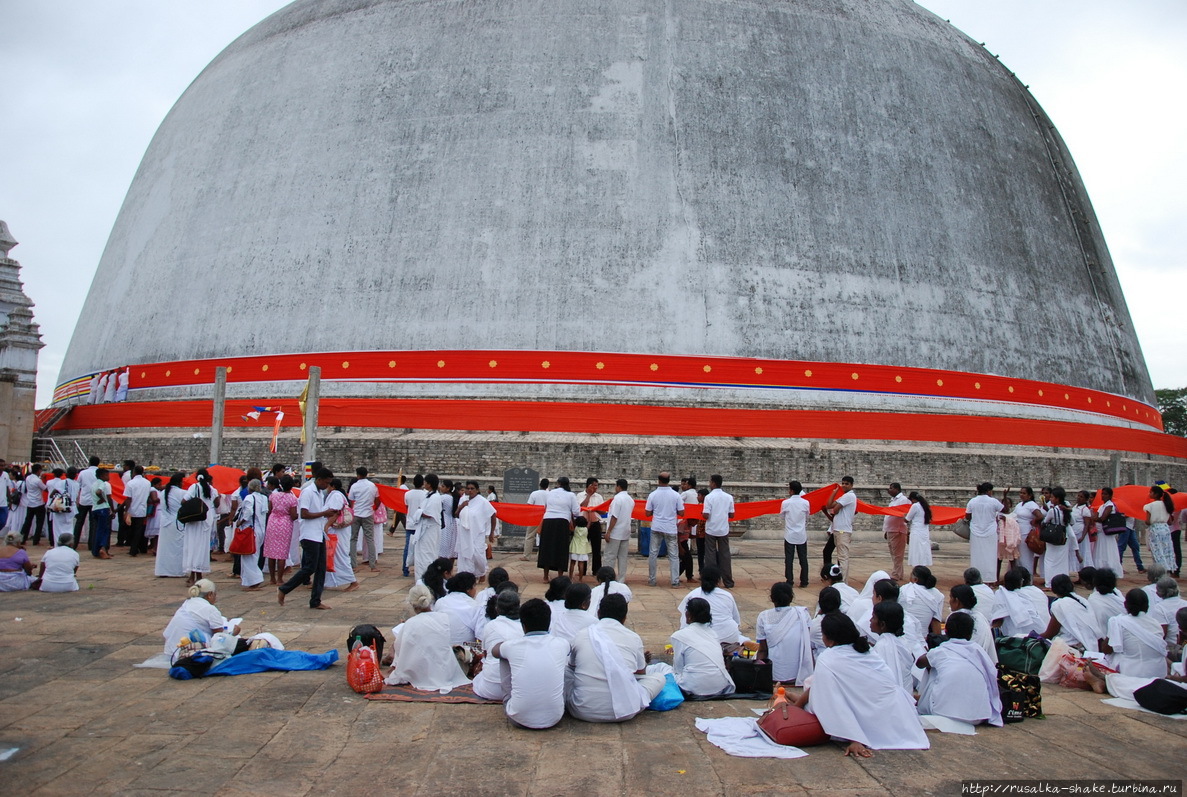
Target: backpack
{"points": [[60, 502]]}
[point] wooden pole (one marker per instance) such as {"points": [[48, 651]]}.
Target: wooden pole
{"points": [[220, 409]]}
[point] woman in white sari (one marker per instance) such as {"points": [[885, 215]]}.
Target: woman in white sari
{"points": [[1084, 530], [168, 563], [697, 660], [1072, 619], [423, 654], [891, 645], [1016, 610], [198, 535], [922, 600], [726, 618], [253, 514], [784, 637], [960, 682], [1135, 640], [856, 697], [428, 519], [491, 682], [343, 573], [863, 604], [1104, 600]]}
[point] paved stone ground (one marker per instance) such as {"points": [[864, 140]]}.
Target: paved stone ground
{"points": [[85, 721]]}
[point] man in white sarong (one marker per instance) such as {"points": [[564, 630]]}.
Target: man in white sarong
{"points": [[1135, 640], [697, 660], [960, 682], [855, 696], [476, 529], [429, 521], [537, 663], [784, 637], [608, 680], [422, 650], [981, 514]]}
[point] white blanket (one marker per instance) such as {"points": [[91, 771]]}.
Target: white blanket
{"points": [[740, 736]]}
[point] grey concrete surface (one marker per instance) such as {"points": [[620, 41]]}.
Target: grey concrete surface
{"points": [[85, 722]]}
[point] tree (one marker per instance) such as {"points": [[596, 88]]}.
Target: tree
{"points": [[1173, 406]]}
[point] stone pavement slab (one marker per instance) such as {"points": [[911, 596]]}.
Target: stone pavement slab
{"points": [[86, 721]]}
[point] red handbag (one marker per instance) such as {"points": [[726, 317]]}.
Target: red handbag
{"points": [[244, 541], [362, 670], [792, 726], [331, 546]]}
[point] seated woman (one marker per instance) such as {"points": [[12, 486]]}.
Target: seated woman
{"points": [[784, 637], [827, 602], [575, 616], [58, 566], [1104, 600], [483, 610], [964, 600], [422, 651], [606, 586], [891, 645], [697, 660], [960, 682], [726, 619], [15, 566], [1072, 619], [1016, 610], [555, 594], [922, 601], [435, 576], [856, 697], [1123, 686], [197, 613], [459, 605], [1135, 640], [861, 606], [491, 682]]}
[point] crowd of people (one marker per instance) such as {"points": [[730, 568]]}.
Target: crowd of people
{"points": [[869, 661]]}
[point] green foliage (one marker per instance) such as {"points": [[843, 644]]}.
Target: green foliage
{"points": [[1173, 406]]}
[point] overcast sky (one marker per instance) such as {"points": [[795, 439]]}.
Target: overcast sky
{"points": [[85, 85]]}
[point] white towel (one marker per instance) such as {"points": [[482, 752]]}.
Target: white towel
{"points": [[740, 736]]}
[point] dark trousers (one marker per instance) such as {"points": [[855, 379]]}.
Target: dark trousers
{"points": [[790, 553], [595, 545], [717, 554], [313, 567], [33, 513], [827, 556], [686, 559], [123, 530], [80, 520], [1177, 543], [700, 554], [100, 530], [137, 544]]}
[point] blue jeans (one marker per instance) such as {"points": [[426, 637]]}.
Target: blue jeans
{"points": [[407, 539], [100, 530], [1130, 539], [668, 542]]}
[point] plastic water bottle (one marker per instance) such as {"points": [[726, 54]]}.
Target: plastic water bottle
{"points": [[780, 697]]}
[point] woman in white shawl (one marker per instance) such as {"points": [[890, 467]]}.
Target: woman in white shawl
{"points": [[919, 523], [491, 681], [1055, 559], [1104, 600], [343, 573], [1135, 640], [697, 660], [856, 697], [423, 655], [922, 600], [606, 586], [1016, 610], [784, 637], [197, 613], [726, 619], [964, 600], [959, 681], [253, 514], [428, 518], [1084, 529], [892, 645], [863, 604], [198, 535], [1105, 553], [1072, 619], [168, 563]]}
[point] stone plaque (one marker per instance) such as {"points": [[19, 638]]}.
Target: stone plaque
{"points": [[518, 484]]}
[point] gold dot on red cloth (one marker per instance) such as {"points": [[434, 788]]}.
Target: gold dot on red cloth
{"points": [[977, 385], [758, 370], [302, 367], [546, 364], [807, 372], [265, 368], [168, 373], [939, 383], [345, 364], [1040, 392], [853, 375], [391, 363], [493, 363], [707, 369], [600, 366], [441, 363], [1010, 388], [196, 370], [654, 367]]}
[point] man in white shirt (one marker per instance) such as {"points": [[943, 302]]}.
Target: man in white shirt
{"points": [[86, 483], [412, 500], [536, 663], [589, 498], [136, 506], [608, 679], [618, 529], [664, 507], [841, 509], [894, 529], [532, 534], [363, 494], [312, 514], [794, 511], [686, 529], [718, 511], [34, 503]]}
